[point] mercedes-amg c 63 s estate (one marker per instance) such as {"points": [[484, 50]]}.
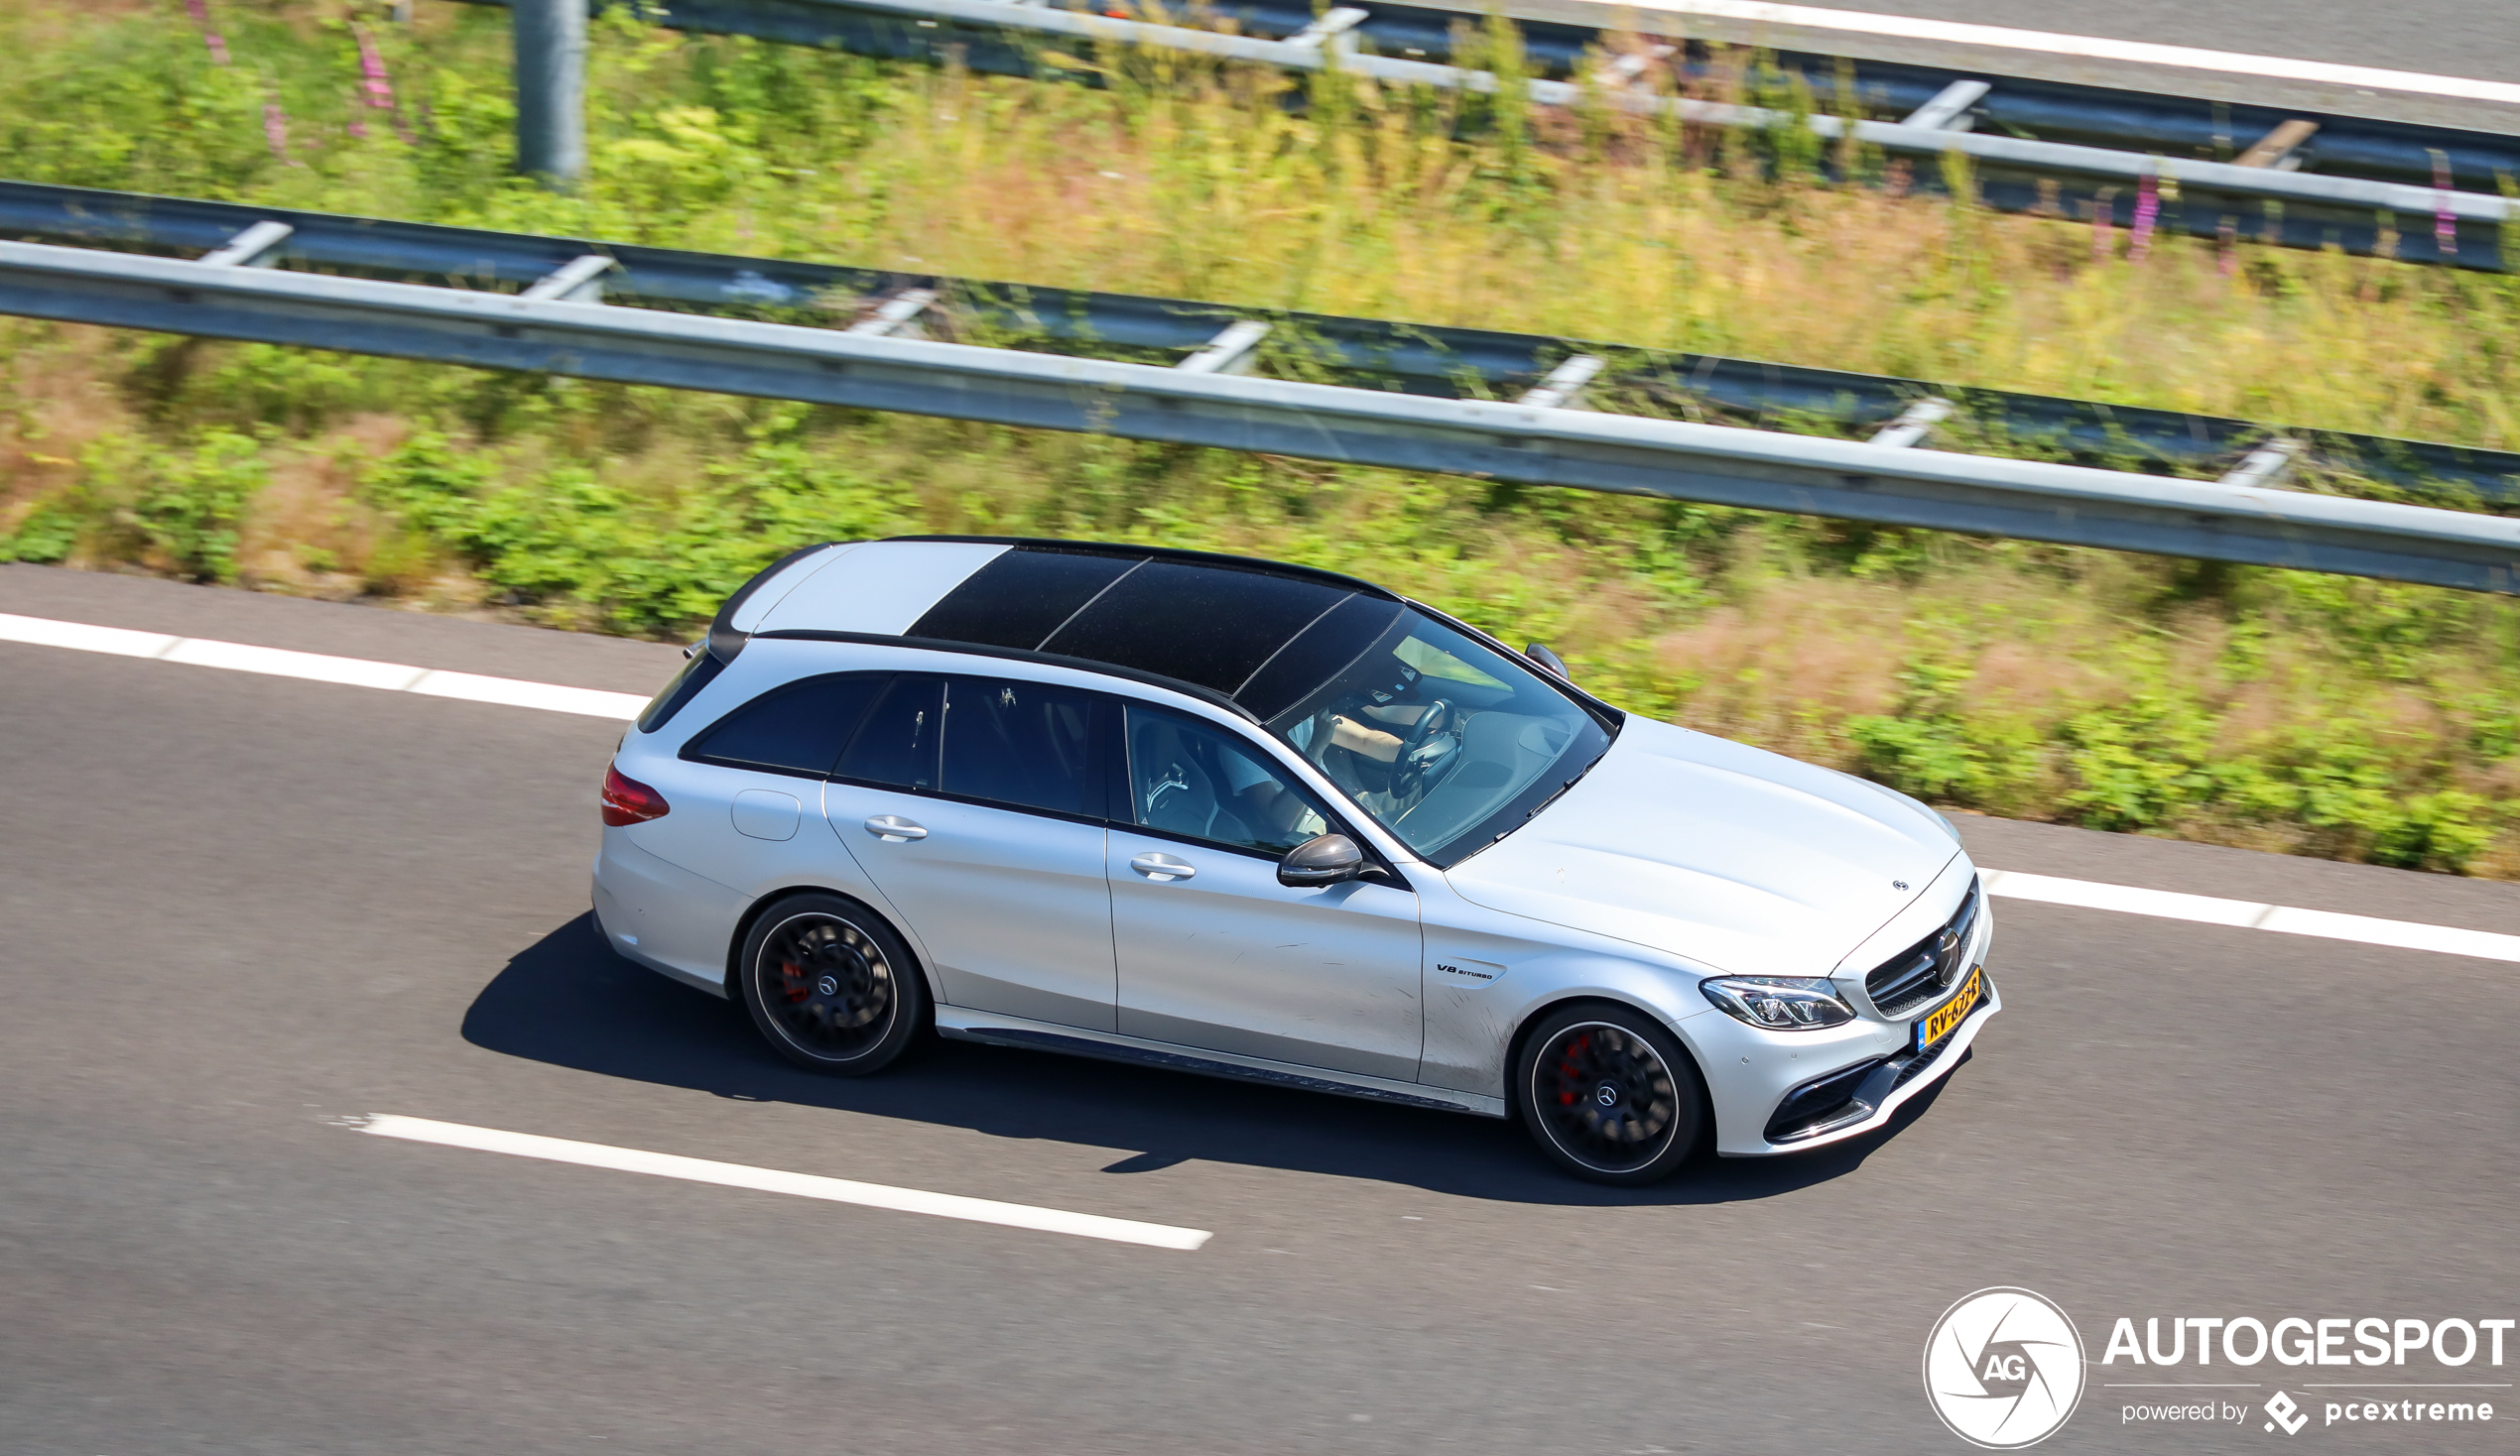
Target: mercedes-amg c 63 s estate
{"points": [[1261, 821]]}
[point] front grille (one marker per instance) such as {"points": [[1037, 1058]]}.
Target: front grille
{"points": [[1924, 971], [1815, 1104]]}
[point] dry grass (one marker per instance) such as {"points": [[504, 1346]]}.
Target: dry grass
{"points": [[2295, 713]]}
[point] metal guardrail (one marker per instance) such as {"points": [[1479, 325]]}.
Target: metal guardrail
{"points": [[1535, 444], [1412, 358], [2079, 151]]}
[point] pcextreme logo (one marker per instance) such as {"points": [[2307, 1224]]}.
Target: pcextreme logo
{"points": [[2003, 1368]]}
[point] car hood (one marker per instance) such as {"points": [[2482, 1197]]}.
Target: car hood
{"points": [[1732, 857]]}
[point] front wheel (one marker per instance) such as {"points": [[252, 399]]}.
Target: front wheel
{"points": [[830, 985], [1609, 1094]]}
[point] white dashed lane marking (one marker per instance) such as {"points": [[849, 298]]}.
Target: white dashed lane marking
{"points": [[239, 657], [272, 662], [2284, 919], [773, 1180], [2096, 48]]}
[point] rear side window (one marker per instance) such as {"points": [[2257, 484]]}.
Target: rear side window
{"points": [[1025, 745], [797, 729], [896, 744]]}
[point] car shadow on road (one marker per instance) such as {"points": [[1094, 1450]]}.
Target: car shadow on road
{"points": [[569, 1000]]}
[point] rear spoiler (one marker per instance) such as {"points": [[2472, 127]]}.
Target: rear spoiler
{"points": [[725, 640]]}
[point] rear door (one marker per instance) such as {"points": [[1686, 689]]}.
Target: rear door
{"points": [[1213, 953], [743, 788], [976, 804]]}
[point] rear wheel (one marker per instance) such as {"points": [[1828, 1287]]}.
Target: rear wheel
{"points": [[1609, 1094], [830, 985]]}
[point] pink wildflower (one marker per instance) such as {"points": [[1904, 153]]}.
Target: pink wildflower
{"points": [[212, 41], [2147, 208], [380, 88]]}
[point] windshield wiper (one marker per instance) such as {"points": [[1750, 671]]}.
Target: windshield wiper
{"points": [[1554, 793]]}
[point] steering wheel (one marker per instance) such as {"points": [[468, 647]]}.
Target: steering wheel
{"points": [[1408, 774]]}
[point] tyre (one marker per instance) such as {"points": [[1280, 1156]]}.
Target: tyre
{"points": [[1609, 1094], [832, 986]]}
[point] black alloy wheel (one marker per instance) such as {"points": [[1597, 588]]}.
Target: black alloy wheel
{"points": [[1609, 1094], [832, 986]]}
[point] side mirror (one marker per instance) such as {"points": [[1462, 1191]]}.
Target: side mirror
{"points": [[1325, 859], [1539, 653]]}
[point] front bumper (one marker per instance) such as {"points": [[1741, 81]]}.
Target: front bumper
{"points": [[1752, 1080]]}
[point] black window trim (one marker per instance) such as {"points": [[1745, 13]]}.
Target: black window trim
{"points": [[1204, 694]]}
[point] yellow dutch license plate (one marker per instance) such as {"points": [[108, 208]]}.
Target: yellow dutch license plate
{"points": [[1945, 1018]]}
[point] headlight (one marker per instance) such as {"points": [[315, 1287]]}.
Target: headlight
{"points": [[1780, 1003]]}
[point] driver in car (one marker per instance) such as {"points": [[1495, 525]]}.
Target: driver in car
{"points": [[1372, 729]]}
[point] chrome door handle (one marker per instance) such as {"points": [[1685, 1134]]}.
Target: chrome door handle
{"points": [[895, 828], [1162, 867]]}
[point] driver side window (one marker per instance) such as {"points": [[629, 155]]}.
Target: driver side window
{"points": [[1199, 782]]}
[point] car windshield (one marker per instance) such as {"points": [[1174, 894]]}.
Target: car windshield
{"points": [[1446, 742]]}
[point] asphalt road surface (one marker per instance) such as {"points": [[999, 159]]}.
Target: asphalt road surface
{"points": [[236, 907], [2473, 38]]}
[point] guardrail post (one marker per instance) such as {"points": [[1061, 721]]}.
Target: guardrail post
{"points": [[579, 281], [551, 89], [1563, 388], [1949, 108], [898, 315], [256, 247], [1232, 351], [1914, 424], [2265, 465]]}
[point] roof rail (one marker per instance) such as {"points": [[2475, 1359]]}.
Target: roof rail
{"points": [[1221, 559]]}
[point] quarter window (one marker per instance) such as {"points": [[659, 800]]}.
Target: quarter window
{"points": [[1196, 780], [1025, 745], [897, 744], [796, 729]]}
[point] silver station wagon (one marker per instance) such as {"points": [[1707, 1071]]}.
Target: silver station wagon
{"points": [[1231, 816]]}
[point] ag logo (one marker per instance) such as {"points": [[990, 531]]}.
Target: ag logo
{"points": [[2003, 1368]]}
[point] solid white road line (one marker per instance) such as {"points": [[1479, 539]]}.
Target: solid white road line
{"points": [[515, 693], [771, 1180], [2284, 919], [237, 657], [2096, 48]]}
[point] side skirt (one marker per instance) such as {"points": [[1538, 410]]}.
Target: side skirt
{"points": [[965, 1024]]}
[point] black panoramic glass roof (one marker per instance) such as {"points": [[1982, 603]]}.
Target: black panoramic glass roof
{"points": [[1335, 639], [1020, 598], [1207, 625], [1262, 633]]}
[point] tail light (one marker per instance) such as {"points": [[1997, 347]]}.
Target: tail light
{"points": [[629, 802]]}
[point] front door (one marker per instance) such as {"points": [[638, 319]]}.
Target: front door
{"points": [[1001, 884], [1213, 953]]}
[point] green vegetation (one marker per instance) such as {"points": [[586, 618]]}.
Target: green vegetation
{"points": [[2313, 714]]}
